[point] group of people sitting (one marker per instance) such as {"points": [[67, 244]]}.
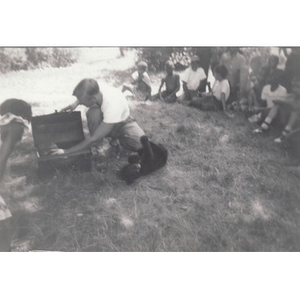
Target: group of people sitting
{"points": [[265, 93], [256, 90]]}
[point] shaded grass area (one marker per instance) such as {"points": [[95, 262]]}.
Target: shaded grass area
{"points": [[223, 189], [217, 193]]}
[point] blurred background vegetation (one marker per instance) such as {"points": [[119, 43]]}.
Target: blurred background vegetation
{"points": [[15, 59], [157, 56], [26, 58]]}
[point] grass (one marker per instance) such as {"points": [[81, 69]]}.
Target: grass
{"points": [[223, 188]]}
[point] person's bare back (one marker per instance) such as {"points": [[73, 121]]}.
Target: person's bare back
{"points": [[172, 83]]}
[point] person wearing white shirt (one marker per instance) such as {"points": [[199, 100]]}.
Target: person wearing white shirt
{"points": [[270, 93], [217, 98], [108, 116], [192, 79], [140, 88]]}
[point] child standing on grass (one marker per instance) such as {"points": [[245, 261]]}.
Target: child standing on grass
{"points": [[15, 118], [140, 86], [172, 83], [193, 80], [217, 98]]}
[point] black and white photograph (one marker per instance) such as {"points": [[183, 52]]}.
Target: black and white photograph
{"points": [[149, 150], [189, 149]]}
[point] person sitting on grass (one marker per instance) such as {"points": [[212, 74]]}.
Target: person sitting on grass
{"points": [[289, 110], [217, 98], [172, 83], [15, 118], [270, 93], [193, 80], [108, 116], [140, 86]]}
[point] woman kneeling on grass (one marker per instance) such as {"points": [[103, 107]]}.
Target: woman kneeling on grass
{"points": [[217, 98], [15, 117]]}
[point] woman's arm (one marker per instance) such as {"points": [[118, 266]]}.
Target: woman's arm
{"points": [[160, 87], [185, 89], [159, 90], [202, 85]]}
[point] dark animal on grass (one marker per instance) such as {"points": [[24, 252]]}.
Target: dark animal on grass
{"points": [[150, 158]]}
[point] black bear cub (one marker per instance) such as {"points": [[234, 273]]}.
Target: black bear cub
{"points": [[150, 158]]}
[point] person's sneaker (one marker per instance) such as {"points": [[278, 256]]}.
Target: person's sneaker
{"points": [[263, 128], [258, 130], [282, 137], [278, 140]]}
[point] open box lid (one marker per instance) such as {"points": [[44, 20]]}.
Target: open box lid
{"points": [[64, 129]]}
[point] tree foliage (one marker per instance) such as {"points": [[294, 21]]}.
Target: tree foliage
{"points": [[15, 59], [157, 56]]}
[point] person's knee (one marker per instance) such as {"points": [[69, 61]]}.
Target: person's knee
{"points": [[130, 137], [273, 112]]}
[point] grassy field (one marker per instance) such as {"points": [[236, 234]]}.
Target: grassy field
{"points": [[223, 188]]}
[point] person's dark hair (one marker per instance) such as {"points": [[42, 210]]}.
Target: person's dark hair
{"points": [[275, 58], [170, 63], [86, 86], [142, 65], [277, 75], [222, 70], [17, 107]]}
